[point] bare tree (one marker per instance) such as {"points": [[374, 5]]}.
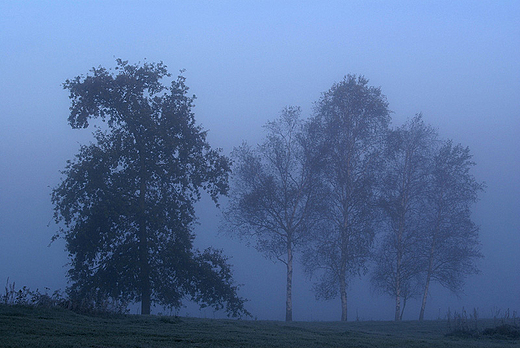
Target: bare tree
{"points": [[451, 245], [274, 199], [403, 188], [351, 119]]}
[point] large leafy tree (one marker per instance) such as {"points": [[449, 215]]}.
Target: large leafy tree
{"points": [[403, 188], [450, 246], [126, 202], [351, 119], [275, 199]]}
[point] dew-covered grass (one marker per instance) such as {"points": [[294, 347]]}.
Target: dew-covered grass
{"points": [[23, 326]]}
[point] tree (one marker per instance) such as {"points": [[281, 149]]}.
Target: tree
{"points": [[126, 203], [352, 119], [274, 199], [403, 187], [451, 245]]}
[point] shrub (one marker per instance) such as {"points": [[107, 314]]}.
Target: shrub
{"points": [[92, 303]]}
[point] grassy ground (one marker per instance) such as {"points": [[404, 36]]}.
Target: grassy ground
{"points": [[38, 327]]}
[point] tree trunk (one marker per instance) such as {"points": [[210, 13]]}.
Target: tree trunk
{"points": [[343, 294], [145, 273], [398, 283], [143, 244], [145, 286], [425, 295], [288, 303], [430, 266], [427, 284], [397, 316], [402, 310], [343, 266]]}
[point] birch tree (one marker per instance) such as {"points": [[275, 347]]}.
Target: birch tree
{"points": [[408, 159], [274, 199], [352, 119], [451, 244]]}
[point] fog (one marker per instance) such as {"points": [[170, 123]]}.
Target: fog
{"points": [[456, 62]]}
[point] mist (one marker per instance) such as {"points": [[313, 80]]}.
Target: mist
{"points": [[457, 63]]}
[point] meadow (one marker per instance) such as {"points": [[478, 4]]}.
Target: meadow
{"points": [[32, 326]]}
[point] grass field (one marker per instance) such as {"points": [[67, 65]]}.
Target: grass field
{"points": [[40, 327]]}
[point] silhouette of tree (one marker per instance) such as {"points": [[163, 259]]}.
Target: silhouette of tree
{"points": [[351, 120], [450, 245], [126, 203], [403, 186], [275, 199]]}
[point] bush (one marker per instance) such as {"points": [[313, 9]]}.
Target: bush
{"points": [[90, 304], [462, 325], [503, 331]]}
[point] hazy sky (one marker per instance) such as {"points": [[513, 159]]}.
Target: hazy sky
{"points": [[457, 62]]}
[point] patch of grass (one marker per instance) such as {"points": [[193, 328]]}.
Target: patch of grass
{"points": [[25, 326]]}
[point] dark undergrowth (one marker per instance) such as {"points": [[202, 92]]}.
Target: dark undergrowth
{"points": [[92, 304], [464, 325]]}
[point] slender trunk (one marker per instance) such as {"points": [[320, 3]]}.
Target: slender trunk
{"points": [[403, 205], [343, 264], [343, 274], [402, 310], [425, 295], [143, 244], [430, 261], [288, 303], [427, 284], [397, 316], [343, 294]]}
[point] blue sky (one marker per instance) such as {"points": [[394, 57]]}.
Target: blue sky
{"points": [[456, 62]]}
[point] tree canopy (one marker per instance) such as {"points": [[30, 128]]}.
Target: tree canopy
{"points": [[451, 244], [276, 199], [126, 202], [402, 189], [351, 121], [426, 193]]}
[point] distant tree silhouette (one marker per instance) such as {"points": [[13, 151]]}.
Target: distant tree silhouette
{"points": [[403, 187], [275, 199], [426, 193], [450, 246], [351, 121]]}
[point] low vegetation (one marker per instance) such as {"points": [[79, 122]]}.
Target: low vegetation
{"points": [[464, 325], [40, 326]]}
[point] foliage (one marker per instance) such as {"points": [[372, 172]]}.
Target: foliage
{"points": [[426, 193], [59, 299], [272, 196], [462, 325], [503, 331], [276, 199], [450, 246], [402, 191], [27, 297], [125, 206], [350, 123]]}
